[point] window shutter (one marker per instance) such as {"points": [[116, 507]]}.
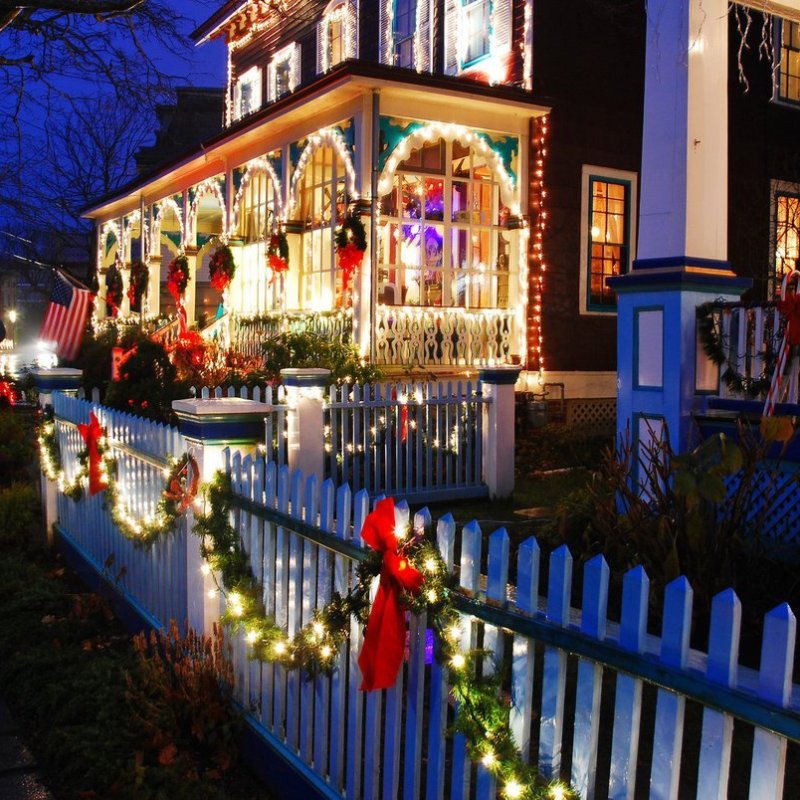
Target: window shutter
{"points": [[423, 36], [452, 9], [296, 66], [352, 29], [322, 29], [502, 26], [271, 89], [386, 54]]}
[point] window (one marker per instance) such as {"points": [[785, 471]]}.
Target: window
{"points": [[476, 24], [786, 231], [336, 35], [442, 236], [608, 229], [284, 71], [322, 197], [247, 93], [788, 88], [404, 25]]}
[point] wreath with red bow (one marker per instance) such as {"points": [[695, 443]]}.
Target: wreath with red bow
{"points": [[222, 268], [114, 289], [178, 276], [351, 244], [278, 253], [140, 275], [182, 483]]}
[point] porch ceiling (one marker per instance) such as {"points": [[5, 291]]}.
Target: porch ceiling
{"points": [[342, 89]]}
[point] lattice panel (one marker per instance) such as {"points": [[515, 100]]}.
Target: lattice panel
{"points": [[594, 413]]}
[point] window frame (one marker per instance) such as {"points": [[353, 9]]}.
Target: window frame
{"points": [[252, 75], [777, 96], [779, 188], [289, 55], [465, 5], [590, 175], [412, 36]]}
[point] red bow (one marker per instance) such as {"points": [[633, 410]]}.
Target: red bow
{"points": [[220, 281], [350, 258], [790, 308], [91, 434], [385, 639]]}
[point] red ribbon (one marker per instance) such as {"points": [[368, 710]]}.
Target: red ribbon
{"points": [[790, 308], [277, 265], [350, 258], [385, 639], [91, 434], [220, 281]]}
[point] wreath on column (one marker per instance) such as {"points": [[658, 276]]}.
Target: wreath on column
{"points": [[178, 276], [222, 268], [278, 253], [140, 276], [351, 244], [114, 289]]}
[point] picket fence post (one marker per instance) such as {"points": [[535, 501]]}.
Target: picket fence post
{"points": [[498, 429], [214, 429], [305, 424]]}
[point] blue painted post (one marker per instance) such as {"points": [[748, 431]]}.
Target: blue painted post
{"points": [[498, 429], [209, 427]]}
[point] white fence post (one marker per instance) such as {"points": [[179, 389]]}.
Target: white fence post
{"points": [[498, 429], [209, 427], [304, 395]]}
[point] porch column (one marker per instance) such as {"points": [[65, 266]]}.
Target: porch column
{"points": [[190, 296], [125, 307], [100, 302], [683, 220], [154, 286], [362, 287], [305, 389]]}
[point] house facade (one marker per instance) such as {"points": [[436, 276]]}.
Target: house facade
{"points": [[495, 170]]}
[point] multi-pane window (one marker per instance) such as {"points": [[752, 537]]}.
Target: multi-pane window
{"points": [[789, 70], [442, 236], [256, 207], [284, 71], [336, 36], [247, 93], [608, 237], [404, 25], [787, 235], [323, 202], [474, 33]]}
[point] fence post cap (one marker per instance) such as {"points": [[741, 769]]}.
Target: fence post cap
{"points": [[57, 378], [501, 375], [221, 420], [305, 376]]}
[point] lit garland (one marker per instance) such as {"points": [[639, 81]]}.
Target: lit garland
{"points": [[539, 194], [208, 186], [258, 166], [483, 718], [332, 137]]}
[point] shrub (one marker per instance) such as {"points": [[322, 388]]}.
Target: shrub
{"points": [[17, 452], [309, 349], [19, 512]]}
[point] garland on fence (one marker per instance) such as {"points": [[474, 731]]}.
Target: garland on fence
{"points": [[181, 486], [713, 341], [413, 576]]}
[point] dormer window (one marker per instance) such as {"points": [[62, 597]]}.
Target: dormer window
{"points": [[284, 71], [336, 34], [247, 93], [476, 26], [404, 25]]}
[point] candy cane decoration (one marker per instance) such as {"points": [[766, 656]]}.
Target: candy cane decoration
{"points": [[789, 334]]}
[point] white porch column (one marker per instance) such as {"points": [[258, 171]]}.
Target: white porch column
{"points": [[125, 306], [154, 286], [190, 295], [684, 184], [304, 396], [498, 429]]}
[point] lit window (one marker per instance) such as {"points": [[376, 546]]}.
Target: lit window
{"points": [[247, 93], [608, 230], [336, 40], [284, 71], [442, 239], [404, 25], [787, 234], [788, 88], [474, 34]]}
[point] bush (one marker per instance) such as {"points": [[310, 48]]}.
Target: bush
{"points": [[20, 515], [308, 349], [17, 451]]}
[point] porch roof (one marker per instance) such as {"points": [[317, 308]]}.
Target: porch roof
{"points": [[235, 145]]}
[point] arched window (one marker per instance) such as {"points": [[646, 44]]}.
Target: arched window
{"points": [[322, 198], [442, 237]]}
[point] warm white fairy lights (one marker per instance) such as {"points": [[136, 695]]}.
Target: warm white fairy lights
{"points": [[209, 186], [324, 136], [163, 206], [536, 284], [258, 166]]}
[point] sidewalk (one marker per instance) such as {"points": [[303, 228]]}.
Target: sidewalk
{"points": [[18, 776]]}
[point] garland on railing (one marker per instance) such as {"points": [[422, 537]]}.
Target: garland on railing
{"points": [[713, 341], [414, 577], [181, 486]]}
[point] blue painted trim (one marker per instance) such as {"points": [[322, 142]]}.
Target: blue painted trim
{"points": [[55, 383], [306, 381], [499, 377], [636, 385], [670, 281], [624, 268], [242, 430], [672, 262]]}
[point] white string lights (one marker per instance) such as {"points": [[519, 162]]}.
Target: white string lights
{"points": [[208, 186], [332, 137]]}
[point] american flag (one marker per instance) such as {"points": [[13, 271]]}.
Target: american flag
{"points": [[65, 319]]}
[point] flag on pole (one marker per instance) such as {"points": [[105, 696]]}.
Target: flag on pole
{"points": [[65, 319]]}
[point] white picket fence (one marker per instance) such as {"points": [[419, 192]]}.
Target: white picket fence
{"points": [[154, 578], [598, 701], [411, 440]]}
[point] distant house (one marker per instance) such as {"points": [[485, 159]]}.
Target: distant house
{"points": [[492, 150]]}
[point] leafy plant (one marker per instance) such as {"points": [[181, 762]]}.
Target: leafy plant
{"points": [[309, 349], [19, 510], [17, 452]]}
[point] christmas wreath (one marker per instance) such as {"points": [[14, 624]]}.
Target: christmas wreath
{"points": [[114, 289], [140, 275], [278, 253], [351, 244], [222, 268], [178, 276]]}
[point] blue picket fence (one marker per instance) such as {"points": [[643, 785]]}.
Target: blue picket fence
{"points": [[599, 701]]}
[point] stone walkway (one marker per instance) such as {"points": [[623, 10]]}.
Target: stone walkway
{"points": [[19, 779]]}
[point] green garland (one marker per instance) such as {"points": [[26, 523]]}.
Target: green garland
{"points": [[114, 288], [483, 718], [713, 341], [351, 231], [140, 275]]}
